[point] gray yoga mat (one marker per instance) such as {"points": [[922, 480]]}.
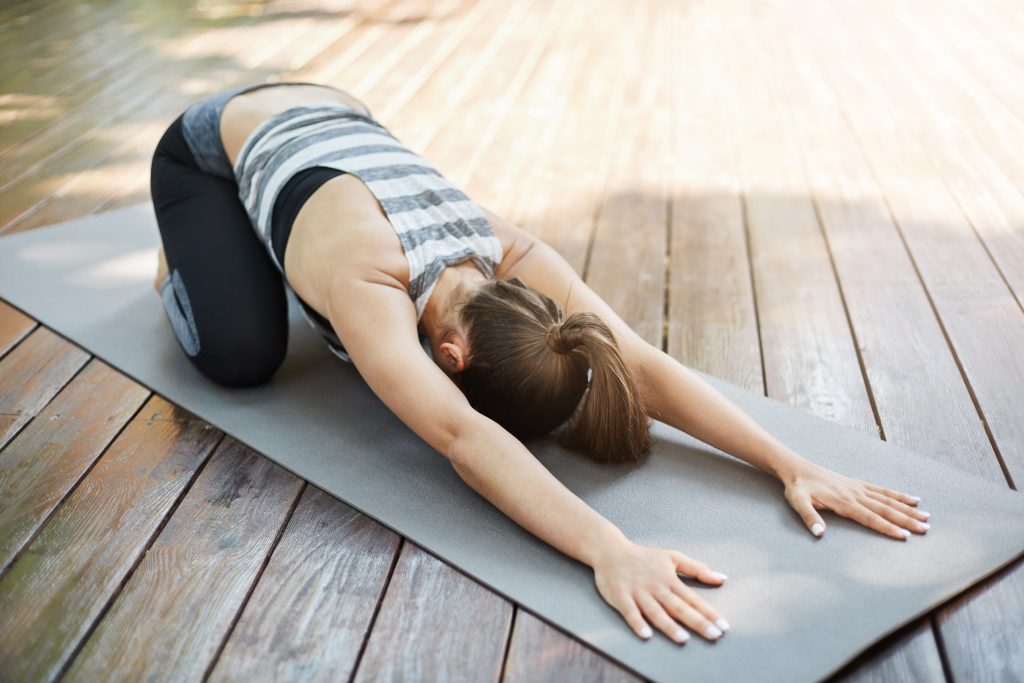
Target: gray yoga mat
{"points": [[800, 608]]}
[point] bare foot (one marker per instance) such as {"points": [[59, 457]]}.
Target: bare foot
{"points": [[161, 270]]}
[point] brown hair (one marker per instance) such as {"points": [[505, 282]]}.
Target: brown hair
{"points": [[528, 367]]}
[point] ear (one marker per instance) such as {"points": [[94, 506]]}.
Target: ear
{"points": [[453, 354]]}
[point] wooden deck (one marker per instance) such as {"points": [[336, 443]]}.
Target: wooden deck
{"points": [[819, 201]]}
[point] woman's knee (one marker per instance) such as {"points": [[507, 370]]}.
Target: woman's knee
{"points": [[241, 362]]}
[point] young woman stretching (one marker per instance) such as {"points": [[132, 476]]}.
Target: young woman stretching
{"points": [[417, 286]]}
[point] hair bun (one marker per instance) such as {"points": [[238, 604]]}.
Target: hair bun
{"points": [[565, 336]]}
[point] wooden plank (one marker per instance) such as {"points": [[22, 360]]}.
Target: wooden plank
{"points": [[539, 652], [105, 43], [562, 194], [419, 633], [314, 604], [136, 115], [876, 274], [31, 374], [415, 114], [910, 654], [14, 326], [52, 453], [113, 176], [61, 583], [519, 117], [982, 631], [810, 359], [627, 260], [179, 605], [712, 321], [980, 317], [968, 135]]}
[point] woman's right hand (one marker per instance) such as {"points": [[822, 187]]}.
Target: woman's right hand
{"points": [[641, 583]]}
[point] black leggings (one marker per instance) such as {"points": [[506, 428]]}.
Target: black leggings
{"points": [[224, 296]]}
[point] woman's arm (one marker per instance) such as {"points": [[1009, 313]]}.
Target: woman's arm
{"points": [[679, 397], [377, 324]]}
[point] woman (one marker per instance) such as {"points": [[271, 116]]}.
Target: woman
{"points": [[265, 188]]}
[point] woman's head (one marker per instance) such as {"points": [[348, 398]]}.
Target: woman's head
{"points": [[528, 370]]}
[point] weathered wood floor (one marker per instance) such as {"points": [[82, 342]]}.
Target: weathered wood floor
{"points": [[819, 201]]}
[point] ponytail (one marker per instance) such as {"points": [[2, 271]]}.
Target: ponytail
{"points": [[610, 422]]}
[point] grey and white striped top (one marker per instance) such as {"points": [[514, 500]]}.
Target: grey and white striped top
{"points": [[436, 223]]}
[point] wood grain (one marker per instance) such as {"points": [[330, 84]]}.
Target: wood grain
{"points": [[31, 374], [539, 652], [712, 317], [314, 604], [14, 326], [59, 585], [48, 458], [178, 606], [424, 606]]}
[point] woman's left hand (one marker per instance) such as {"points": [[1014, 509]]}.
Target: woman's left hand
{"points": [[810, 487]]}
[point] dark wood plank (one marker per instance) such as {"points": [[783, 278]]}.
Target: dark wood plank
{"points": [[14, 326], [61, 583], [175, 611], [31, 374], [982, 631], [49, 456], [314, 604], [910, 654], [420, 631], [539, 652]]}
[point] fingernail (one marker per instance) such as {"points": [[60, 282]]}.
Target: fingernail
{"points": [[719, 575], [923, 527], [722, 624], [904, 533], [682, 636], [924, 514], [817, 529], [916, 499], [646, 632], [712, 632]]}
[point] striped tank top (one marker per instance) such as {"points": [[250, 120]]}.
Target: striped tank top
{"points": [[436, 223]]}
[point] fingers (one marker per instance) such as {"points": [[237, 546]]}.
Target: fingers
{"points": [[687, 614], [661, 620], [688, 566], [895, 516], [631, 613], [804, 506], [872, 520], [710, 615], [902, 507], [905, 498]]}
